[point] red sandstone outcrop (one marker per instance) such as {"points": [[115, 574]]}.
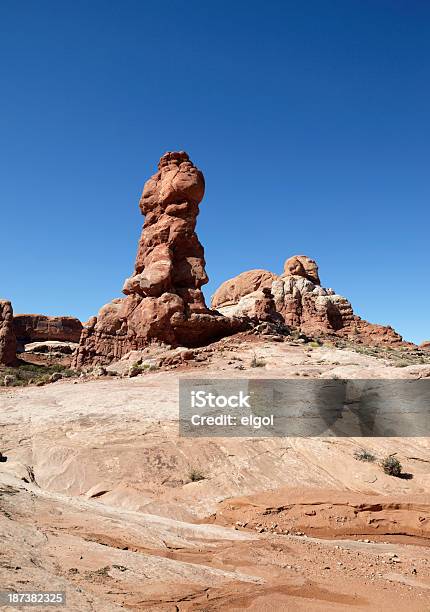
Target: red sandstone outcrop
{"points": [[425, 345], [230, 292], [302, 302], [7, 335], [170, 258], [164, 301], [300, 265], [258, 306], [38, 328], [310, 307]]}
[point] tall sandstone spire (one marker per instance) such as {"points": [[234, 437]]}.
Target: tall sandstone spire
{"points": [[164, 301], [7, 334]]}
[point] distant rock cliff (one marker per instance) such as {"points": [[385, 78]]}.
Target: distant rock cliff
{"points": [[38, 328]]}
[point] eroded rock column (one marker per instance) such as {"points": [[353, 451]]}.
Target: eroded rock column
{"points": [[7, 334]]}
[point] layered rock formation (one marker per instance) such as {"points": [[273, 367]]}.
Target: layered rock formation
{"points": [[301, 301], [164, 301], [40, 328], [7, 335]]}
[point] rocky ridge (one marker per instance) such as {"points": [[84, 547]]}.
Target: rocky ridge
{"points": [[303, 304]]}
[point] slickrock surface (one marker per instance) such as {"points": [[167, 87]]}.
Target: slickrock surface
{"points": [[38, 328], [302, 302], [164, 299], [7, 335], [97, 498]]}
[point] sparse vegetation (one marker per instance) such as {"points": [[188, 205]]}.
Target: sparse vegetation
{"points": [[28, 373], [364, 455], [400, 357], [257, 362], [135, 370], [139, 367], [401, 364], [392, 466], [195, 474]]}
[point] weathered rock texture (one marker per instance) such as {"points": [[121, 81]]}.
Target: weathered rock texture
{"points": [[38, 328], [259, 305], [164, 301], [300, 265], [301, 300], [47, 352], [7, 335], [230, 292]]}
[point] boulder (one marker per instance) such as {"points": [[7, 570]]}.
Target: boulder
{"points": [[164, 302], [7, 334], [300, 265], [230, 292], [257, 306]]}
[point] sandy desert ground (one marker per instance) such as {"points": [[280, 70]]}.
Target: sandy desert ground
{"points": [[96, 497]]}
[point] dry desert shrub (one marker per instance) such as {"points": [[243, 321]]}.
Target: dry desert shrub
{"points": [[391, 466], [364, 455], [256, 362], [195, 474]]}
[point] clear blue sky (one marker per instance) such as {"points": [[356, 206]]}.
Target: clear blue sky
{"points": [[310, 120]]}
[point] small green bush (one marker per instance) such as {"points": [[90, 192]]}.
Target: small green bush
{"points": [[402, 364], [364, 455], [392, 466], [29, 373]]}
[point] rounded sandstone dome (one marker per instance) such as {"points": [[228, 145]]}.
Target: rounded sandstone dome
{"points": [[301, 265], [233, 289]]}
